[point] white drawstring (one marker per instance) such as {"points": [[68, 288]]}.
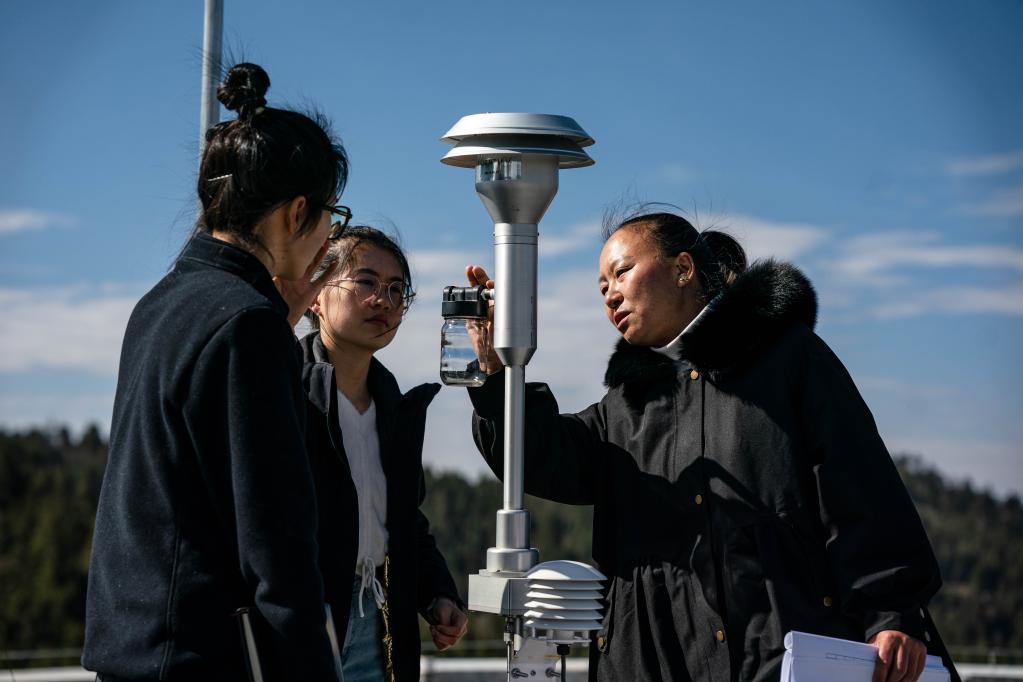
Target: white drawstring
{"points": [[368, 573]]}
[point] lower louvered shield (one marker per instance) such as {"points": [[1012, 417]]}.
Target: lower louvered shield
{"points": [[564, 601]]}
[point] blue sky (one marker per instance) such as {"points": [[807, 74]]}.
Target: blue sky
{"points": [[877, 145]]}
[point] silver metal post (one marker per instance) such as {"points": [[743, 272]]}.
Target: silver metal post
{"points": [[514, 436], [517, 157], [213, 30], [516, 192], [515, 251]]}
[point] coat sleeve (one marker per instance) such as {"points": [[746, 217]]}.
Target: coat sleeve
{"points": [[878, 551], [269, 483], [434, 577], [563, 452]]}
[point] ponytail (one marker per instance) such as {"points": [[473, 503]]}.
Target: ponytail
{"points": [[724, 260]]}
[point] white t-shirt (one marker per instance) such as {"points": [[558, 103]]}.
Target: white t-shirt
{"points": [[362, 445]]}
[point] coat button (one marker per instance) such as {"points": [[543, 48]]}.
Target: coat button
{"points": [[828, 602], [600, 642], [720, 635], [927, 636], [698, 499], [694, 375]]}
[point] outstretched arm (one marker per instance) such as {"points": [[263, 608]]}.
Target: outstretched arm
{"points": [[563, 452]]}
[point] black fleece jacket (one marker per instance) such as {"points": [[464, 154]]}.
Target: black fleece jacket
{"points": [[416, 572], [207, 503]]}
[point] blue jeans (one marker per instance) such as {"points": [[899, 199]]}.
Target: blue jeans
{"points": [[362, 657]]}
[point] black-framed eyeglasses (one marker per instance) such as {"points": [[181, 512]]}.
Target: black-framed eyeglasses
{"points": [[343, 215], [399, 294]]}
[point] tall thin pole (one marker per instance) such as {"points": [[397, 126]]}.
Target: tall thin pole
{"points": [[213, 30]]}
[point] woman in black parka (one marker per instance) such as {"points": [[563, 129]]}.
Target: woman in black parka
{"points": [[207, 499], [739, 484], [380, 565]]}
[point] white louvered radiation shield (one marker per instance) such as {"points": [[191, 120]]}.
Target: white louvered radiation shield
{"points": [[565, 601]]}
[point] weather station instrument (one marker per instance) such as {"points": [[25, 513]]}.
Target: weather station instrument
{"points": [[548, 606]]}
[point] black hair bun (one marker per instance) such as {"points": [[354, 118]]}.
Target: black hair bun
{"points": [[244, 89]]}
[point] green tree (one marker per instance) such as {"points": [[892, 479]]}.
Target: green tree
{"points": [[49, 486], [978, 540]]}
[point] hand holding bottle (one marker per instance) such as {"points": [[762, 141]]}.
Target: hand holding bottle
{"points": [[484, 344]]}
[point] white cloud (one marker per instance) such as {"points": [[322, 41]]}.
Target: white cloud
{"points": [[575, 339], [764, 238], [445, 264], [1003, 203], [989, 164], [868, 255], [77, 327], [953, 300], [899, 268], [576, 238], [23, 220]]}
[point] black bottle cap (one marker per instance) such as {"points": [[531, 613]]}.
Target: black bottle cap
{"points": [[464, 302]]}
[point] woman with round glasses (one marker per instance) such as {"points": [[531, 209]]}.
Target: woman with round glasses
{"points": [[365, 438]]}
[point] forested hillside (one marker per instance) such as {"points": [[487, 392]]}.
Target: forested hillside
{"points": [[49, 484]]}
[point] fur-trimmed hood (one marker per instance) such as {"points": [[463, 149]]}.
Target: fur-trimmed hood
{"points": [[762, 302]]}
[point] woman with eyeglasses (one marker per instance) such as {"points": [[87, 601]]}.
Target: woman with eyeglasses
{"points": [[207, 503], [380, 564]]}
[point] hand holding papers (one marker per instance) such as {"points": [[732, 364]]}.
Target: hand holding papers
{"points": [[814, 658]]}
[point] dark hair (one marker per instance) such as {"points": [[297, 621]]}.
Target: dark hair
{"points": [[344, 250], [264, 158], [718, 257]]}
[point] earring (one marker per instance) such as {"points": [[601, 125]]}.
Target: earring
{"points": [[683, 279]]}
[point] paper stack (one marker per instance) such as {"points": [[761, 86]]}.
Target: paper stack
{"points": [[813, 658]]}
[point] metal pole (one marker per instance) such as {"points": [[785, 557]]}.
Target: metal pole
{"points": [[515, 258], [213, 30], [514, 436]]}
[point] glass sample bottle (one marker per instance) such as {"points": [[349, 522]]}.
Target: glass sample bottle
{"points": [[464, 337]]}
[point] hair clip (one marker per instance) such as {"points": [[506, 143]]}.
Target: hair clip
{"points": [[219, 177]]}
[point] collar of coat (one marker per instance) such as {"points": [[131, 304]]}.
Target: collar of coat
{"points": [[318, 380], [210, 251], [763, 302]]}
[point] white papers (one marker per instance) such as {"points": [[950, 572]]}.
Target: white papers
{"points": [[814, 658]]}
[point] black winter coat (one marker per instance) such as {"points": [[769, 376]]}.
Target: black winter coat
{"points": [[415, 571], [739, 493], [207, 499]]}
